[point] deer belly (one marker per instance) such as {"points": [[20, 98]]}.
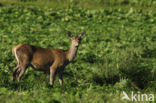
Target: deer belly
{"points": [[40, 67]]}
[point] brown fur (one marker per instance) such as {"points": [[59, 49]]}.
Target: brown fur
{"points": [[44, 59]]}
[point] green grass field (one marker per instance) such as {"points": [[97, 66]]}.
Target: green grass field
{"points": [[117, 54]]}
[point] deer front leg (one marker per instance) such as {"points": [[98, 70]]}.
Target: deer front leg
{"points": [[52, 74], [60, 78]]}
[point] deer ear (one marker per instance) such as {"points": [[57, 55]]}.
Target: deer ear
{"points": [[69, 34], [82, 35]]}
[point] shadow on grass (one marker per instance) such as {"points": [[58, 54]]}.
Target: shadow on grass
{"points": [[137, 70], [17, 85], [106, 81], [149, 53]]}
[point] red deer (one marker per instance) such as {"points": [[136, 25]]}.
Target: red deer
{"points": [[44, 59]]}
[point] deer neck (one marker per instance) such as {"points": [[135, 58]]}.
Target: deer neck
{"points": [[71, 53]]}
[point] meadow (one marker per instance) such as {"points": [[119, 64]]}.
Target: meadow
{"points": [[117, 54]]}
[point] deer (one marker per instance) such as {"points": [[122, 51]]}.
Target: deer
{"points": [[44, 59]]}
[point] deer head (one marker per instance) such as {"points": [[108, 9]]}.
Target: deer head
{"points": [[76, 39]]}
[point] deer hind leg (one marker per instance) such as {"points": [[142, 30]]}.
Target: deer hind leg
{"points": [[23, 61], [23, 66], [15, 73], [21, 72]]}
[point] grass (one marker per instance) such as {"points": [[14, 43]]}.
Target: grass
{"points": [[94, 4], [117, 54]]}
